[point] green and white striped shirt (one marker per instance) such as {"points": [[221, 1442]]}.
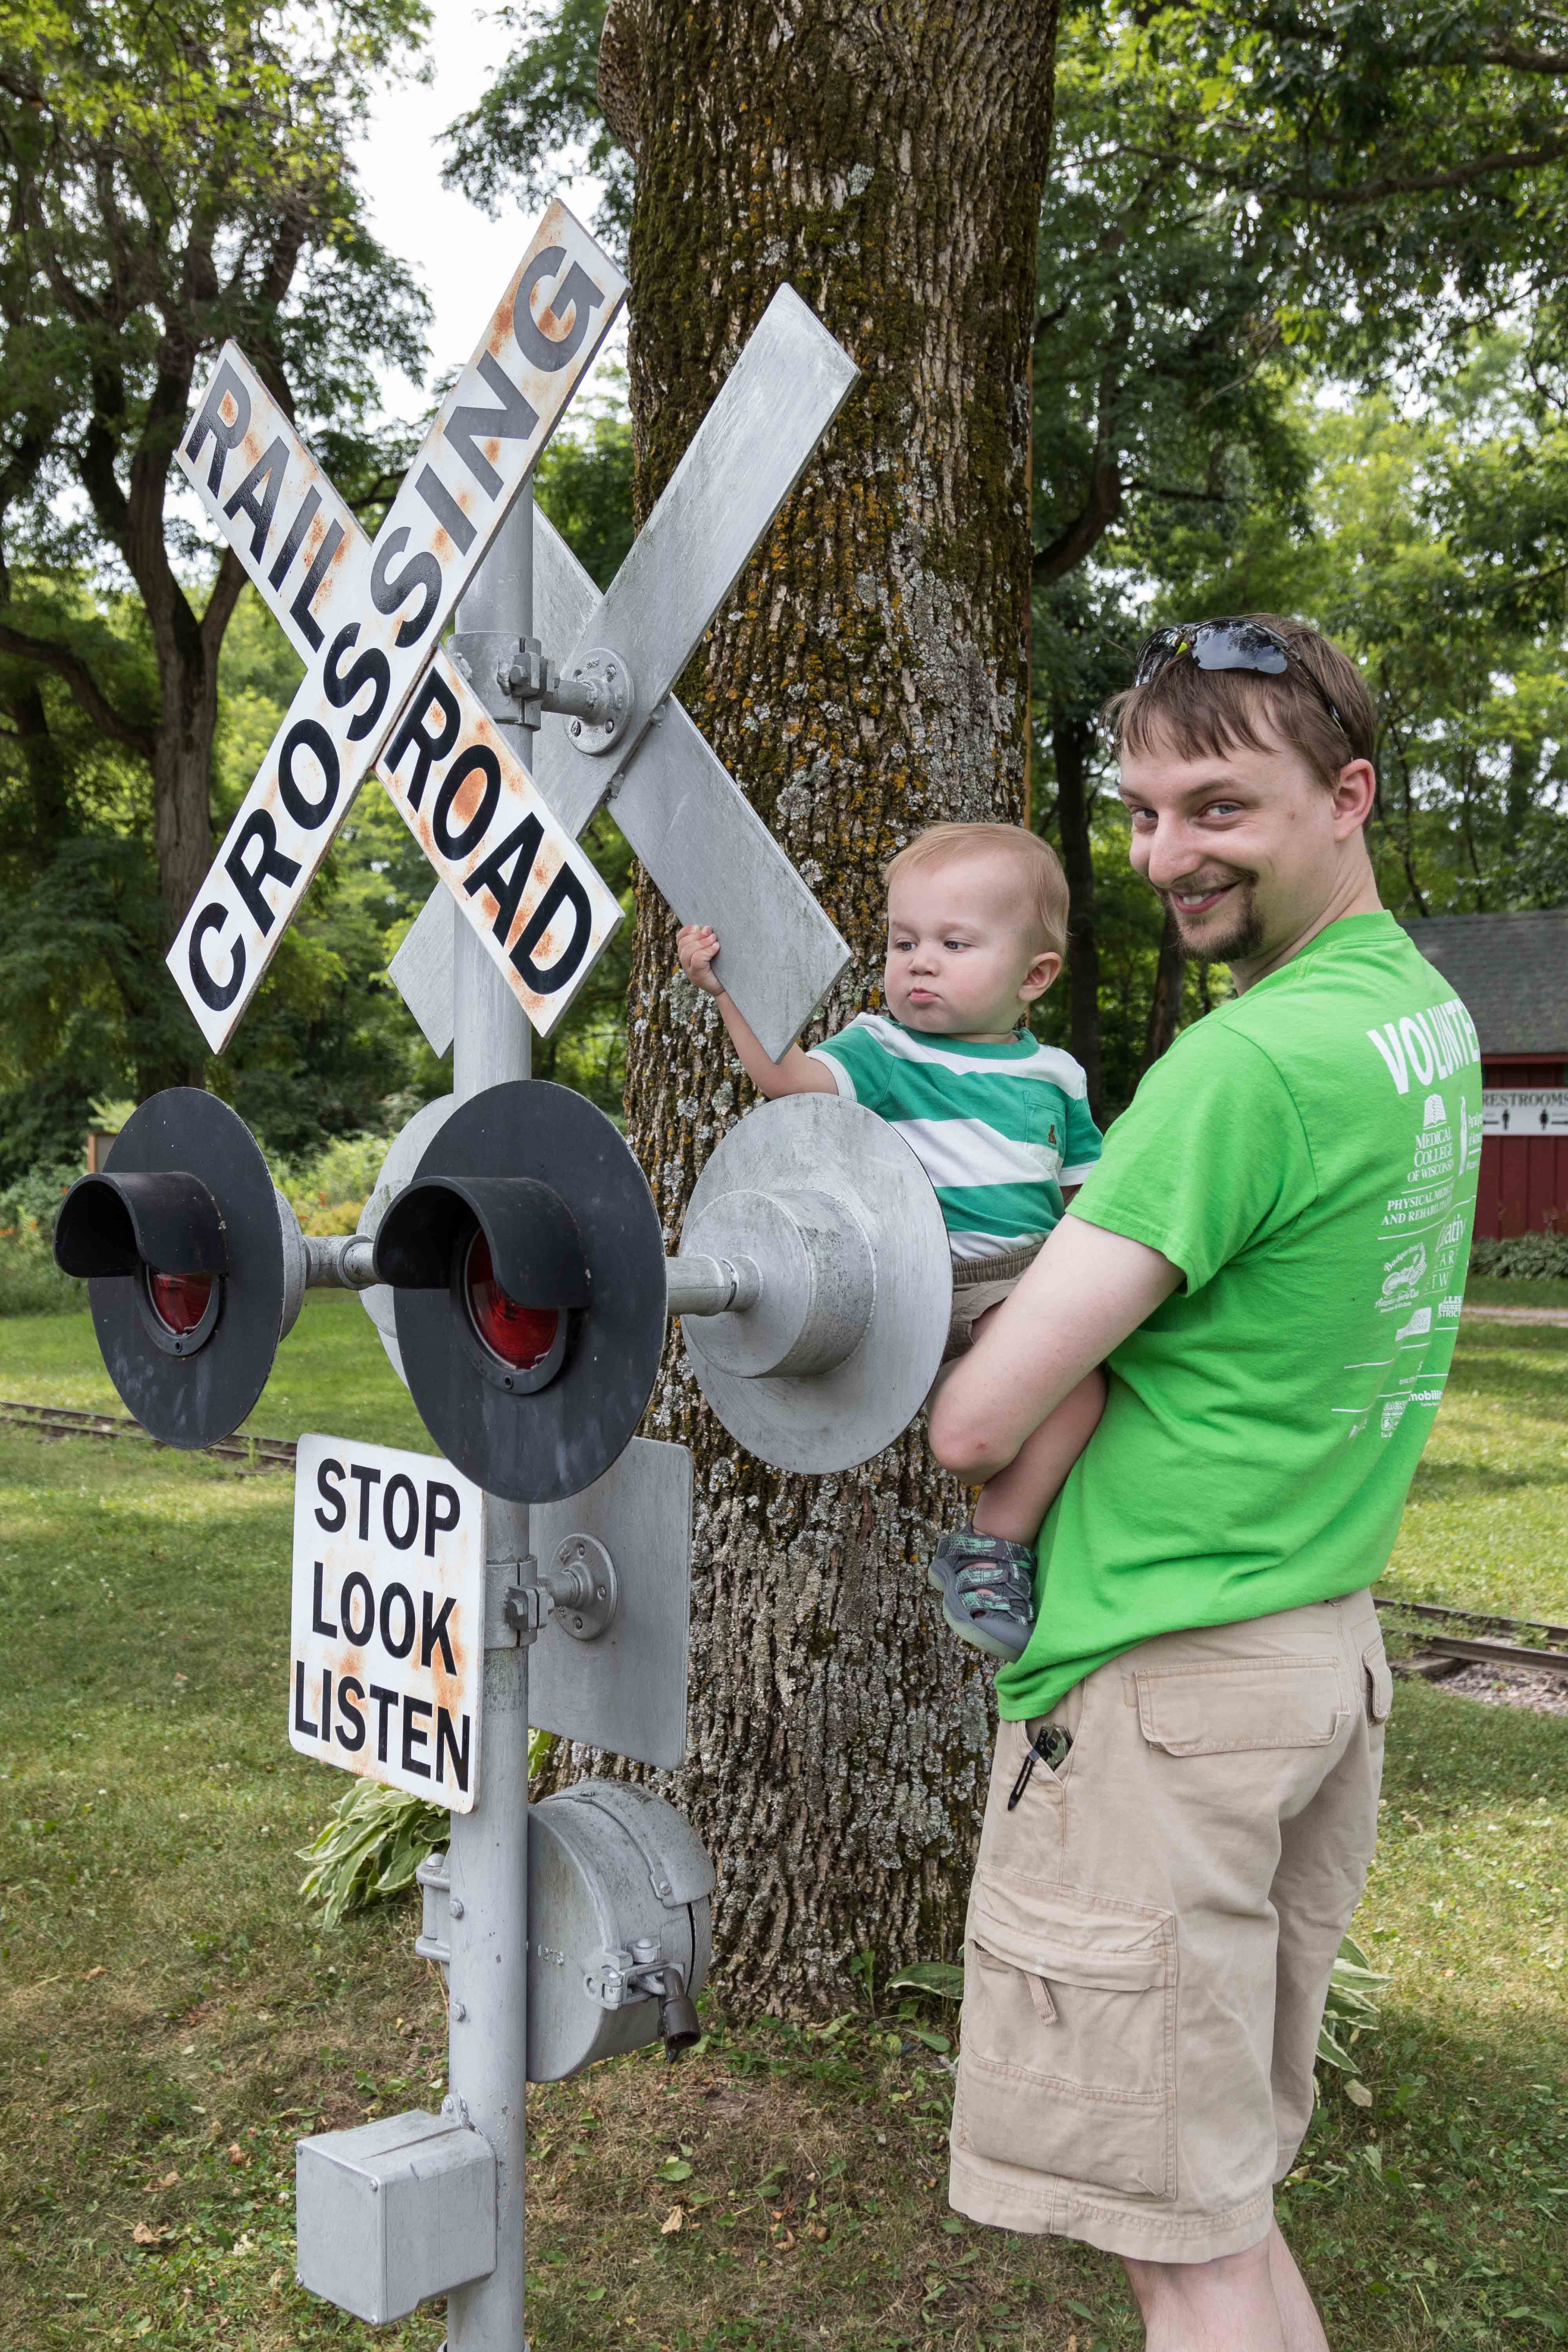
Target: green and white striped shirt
{"points": [[999, 1129]]}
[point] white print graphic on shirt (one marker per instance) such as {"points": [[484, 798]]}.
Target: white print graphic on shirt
{"points": [[1421, 1052], [1429, 1045]]}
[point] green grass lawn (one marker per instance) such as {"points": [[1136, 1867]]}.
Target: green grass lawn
{"points": [[171, 2017]]}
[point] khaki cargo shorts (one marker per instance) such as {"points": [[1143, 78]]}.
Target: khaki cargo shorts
{"points": [[1152, 1929]]}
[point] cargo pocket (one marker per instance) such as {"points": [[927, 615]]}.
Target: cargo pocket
{"points": [[1243, 1704], [1068, 2034], [1379, 1682]]}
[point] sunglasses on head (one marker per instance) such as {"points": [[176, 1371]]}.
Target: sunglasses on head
{"points": [[1230, 644]]}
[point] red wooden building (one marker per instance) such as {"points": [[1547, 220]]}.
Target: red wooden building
{"points": [[1511, 971]]}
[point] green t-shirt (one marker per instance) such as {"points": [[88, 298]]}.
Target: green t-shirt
{"points": [[1307, 1156]]}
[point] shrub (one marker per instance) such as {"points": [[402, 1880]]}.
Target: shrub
{"points": [[30, 1281], [1529, 1257], [328, 1191]]}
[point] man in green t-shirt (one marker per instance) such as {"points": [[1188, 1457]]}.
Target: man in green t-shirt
{"points": [[1268, 1260]]}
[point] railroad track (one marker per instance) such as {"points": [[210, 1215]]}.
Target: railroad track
{"points": [[57, 1421], [1484, 1649], [1480, 1647]]}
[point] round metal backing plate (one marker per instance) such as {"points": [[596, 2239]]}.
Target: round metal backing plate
{"points": [[195, 1400], [408, 1148], [538, 1448], [830, 1421]]}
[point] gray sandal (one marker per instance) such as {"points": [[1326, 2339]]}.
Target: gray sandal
{"points": [[987, 1587]]}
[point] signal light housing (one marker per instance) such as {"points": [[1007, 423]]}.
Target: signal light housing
{"points": [[194, 1264], [527, 1266]]}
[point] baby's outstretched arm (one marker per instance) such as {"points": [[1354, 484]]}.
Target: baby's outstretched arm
{"points": [[697, 945]]}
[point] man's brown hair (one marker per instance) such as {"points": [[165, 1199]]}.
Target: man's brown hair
{"points": [[1044, 885], [1206, 713]]}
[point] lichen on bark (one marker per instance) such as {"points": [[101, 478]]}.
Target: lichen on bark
{"points": [[868, 677]]}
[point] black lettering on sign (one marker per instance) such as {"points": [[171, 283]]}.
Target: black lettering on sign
{"points": [[371, 669], [398, 1595], [401, 1496], [576, 294], [514, 420], [517, 852], [270, 864], [447, 1745], [477, 760], [327, 1703], [300, 610], [307, 735], [318, 1622], [226, 385], [350, 1726], [434, 743], [309, 506], [331, 1495], [219, 994], [414, 1734], [257, 494], [434, 1631], [422, 572], [445, 510], [357, 1586], [565, 889], [385, 1700], [439, 1500], [365, 1477], [301, 1723]]}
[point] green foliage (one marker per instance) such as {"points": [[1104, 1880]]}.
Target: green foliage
{"points": [[30, 1281], [542, 103], [1528, 1258], [373, 1840], [942, 1979], [1350, 2013]]}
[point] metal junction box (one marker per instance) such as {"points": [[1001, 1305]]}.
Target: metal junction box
{"points": [[399, 2210]]}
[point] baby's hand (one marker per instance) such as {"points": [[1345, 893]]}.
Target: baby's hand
{"points": [[696, 944]]}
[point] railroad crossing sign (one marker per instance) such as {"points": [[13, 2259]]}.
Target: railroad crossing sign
{"points": [[367, 619], [377, 691]]}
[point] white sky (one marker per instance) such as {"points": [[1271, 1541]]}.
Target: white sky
{"points": [[462, 258]]}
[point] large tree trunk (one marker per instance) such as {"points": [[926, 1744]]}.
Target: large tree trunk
{"points": [[868, 678], [1071, 740]]}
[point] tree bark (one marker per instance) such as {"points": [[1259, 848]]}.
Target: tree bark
{"points": [[868, 677], [1070, 741], [1166, 1003]]}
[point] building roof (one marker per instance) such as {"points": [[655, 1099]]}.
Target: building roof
{"points": [[1510, 971]]}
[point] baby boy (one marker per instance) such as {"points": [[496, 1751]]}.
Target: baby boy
{"points": [[976, 930]]}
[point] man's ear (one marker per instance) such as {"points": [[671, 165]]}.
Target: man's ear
{"points": [[1042, 971], [1355, 791]]}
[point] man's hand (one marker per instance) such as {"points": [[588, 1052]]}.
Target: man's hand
{"points": [[1084, 1293], [696, 944]]}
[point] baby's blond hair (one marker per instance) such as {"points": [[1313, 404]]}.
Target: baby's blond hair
{"points": [[1039, 868]]}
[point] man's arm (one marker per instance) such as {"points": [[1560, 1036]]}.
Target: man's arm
{"points": [[696, 944], [1084, 1293]]}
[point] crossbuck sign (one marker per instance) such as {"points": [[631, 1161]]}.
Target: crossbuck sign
{"points": [[366, 617]]}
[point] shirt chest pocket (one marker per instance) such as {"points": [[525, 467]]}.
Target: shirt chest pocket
{"points": [[1048, 1132], [1069, 2028]]}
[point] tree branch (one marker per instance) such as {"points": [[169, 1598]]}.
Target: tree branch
{"points": [[68, 666]]}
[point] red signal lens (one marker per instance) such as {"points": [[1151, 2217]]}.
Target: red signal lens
{"points": [[179, 1300], [521, 1335]]}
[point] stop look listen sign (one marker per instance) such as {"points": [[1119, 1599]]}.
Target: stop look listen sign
{"points": [[387, 1649]]}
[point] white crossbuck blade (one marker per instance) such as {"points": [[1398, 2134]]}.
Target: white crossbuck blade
{"points": [[500, 841], [372, 615]]}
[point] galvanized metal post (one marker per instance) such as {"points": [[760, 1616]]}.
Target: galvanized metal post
{"points": [[489, 1851]]}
